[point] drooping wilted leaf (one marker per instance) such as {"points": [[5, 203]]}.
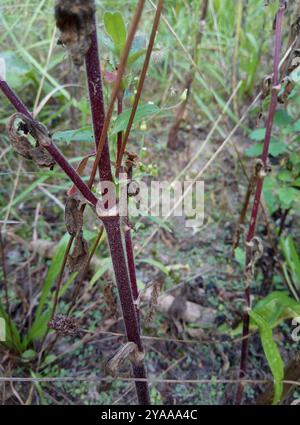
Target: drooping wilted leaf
{"points": [[73, 216], [77, 260]]}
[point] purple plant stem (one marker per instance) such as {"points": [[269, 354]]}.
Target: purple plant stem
{"points": [[112, 225], [120, 134], [131, 264], [114, 237], [258, 192], [71, 173], [128, 239], [93, 72], [14, 99], [51, 148]]}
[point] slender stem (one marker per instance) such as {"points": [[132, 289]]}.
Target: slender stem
{"points": [[14, 99], [140, 84], [128, 239], [71, 173], [117, 86], [258, 192], [120, 134]]}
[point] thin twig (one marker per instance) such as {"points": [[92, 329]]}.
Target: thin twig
{"points": [[140, 84]]}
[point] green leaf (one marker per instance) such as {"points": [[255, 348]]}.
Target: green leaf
{"points": [[282, 118], [39, 326], [272, 354], [41, 319], [16, 68], [296, 126], [116, 29], [295, 75], [28, 355], [50, 358], [274, 309], [240, 256], [291, 256], [287, 195], [100, 271], [157, 264], [277, 148], [12, 336], [285, 176], [53, 272], [143, 112], [277, 307], [80, 135], [133, 57], [258, 134], [255, 150]]}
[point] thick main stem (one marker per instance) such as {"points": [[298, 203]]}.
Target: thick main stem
{"points": [[258, 193], [112, 225], [114, 237]]}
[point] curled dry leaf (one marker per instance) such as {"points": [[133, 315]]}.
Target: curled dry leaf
{"points": [[156, 288], [74, 19], [128, 351], [73, 216], [254, 251], [21, 144], [78, 259]]}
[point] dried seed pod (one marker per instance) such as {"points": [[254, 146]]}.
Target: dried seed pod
{"points": [[73, 216], [21, 144], [75, 20], [64, 325], [77, 260]]}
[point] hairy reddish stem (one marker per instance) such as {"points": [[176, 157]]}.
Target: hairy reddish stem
{"points": [[50, 147], [131, 322], [112, 224], [93, 72], [258, 192]]}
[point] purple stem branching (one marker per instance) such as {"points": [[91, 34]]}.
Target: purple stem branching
{"points": [[50, 146]]}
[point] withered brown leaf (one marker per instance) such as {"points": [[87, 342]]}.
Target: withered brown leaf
{"points": [[77, 260], [21, 144], [73, 216], [75, 20]]}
